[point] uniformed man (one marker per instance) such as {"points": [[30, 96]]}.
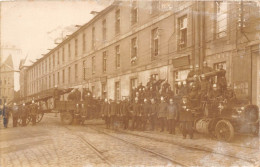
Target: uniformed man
{"points": [[230, 95], [105, 110], [204, 88], [136, 109], [77, 95], [162, 113], [197, 71], [186, 118], [194, 97], [112, 113], [221, 79], [15, 114], [206, 69], [172, 111], [6, 115], [24, 114], [153, 113], [33, 112], [191, 72], [140, 87], [185, 88], [71, 96], [214, 97], [150, 82], [125, 112], [166, 86], [144, 114]]}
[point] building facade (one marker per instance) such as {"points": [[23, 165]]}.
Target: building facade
{"points": [[130, 41], [7, 80]]}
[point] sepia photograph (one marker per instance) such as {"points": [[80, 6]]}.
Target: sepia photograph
{"points": [[86, 83]]}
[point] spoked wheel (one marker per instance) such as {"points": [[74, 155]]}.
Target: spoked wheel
{"points": [[19, 121], [224, 130], [39, 117], [66, 118], [28, 120]]}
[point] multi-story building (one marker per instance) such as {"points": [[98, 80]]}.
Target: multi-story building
{"points": [[130, 41], [7, 80]]}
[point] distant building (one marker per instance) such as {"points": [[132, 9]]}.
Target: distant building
{"points": [[7, 80], [130, 41]]}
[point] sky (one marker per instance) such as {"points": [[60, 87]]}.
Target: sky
{"points": [[33, 25]]}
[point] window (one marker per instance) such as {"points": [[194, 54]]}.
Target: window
{"points": [[76, 72], [93, 65], [58, 78], [93, 90], [117, 90], [84, 65], [49, 82], [134, 12], [117, 21], [221, 19], [69, 51], [63, 55], [155, 42], [69, 74], [58, 57], [63, 76], [104, 90], [53, 79], [154, 6], [104, 29], [104, 61], [183, 32], [93, 38], [133, 50], [53, 60], [117, 56], [76, 47], [84, 42]]}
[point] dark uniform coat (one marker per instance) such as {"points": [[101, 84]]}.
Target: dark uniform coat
{"points": [[162, 110]]}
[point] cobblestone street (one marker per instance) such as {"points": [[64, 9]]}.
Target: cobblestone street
{"points": [[51, 144]]}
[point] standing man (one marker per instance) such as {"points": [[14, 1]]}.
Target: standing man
{"points": [[15, 115], [125, 113], [24, 114], [135, 108], [221, 79], [33, 110], [112, 113], [186, 118], [145, 112], [162, 113], [172, 112], [105, 111], [206, 69], [153, 113], [6, 115]]}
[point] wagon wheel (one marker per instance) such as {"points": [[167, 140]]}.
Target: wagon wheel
{"points": [[28, 119], [19, 121], [66, 118], [39, 117], [224, 130]]}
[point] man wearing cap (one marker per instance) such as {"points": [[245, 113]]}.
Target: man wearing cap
{"points": [[172, 111], [144, 114], [15, 114], [33, 112], [140, 87], [125, 112], [206, 69], [153, 113], [204, 87], [186, 118], [214, 97], [166, 86], [135, 109], [191, 73], [221, 79], [162, 113], [105, 110], [24, 114]]}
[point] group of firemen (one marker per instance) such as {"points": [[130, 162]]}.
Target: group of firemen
{"points": [[156, 104], [20, 112]]}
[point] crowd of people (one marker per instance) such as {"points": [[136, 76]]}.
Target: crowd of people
{"points": [[19, 113], [157, 106]]}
